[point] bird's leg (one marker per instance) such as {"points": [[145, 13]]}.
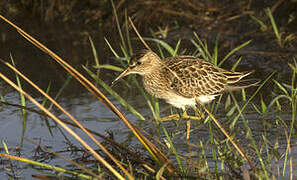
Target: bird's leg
{"points": [[186, 116], [171, 117], [183, 115]]}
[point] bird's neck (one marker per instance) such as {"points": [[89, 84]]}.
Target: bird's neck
{"points": [[155, 76]]}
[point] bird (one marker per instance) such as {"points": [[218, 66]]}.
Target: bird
{"points": [[183, 80]]}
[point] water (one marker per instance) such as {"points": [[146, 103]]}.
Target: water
{"points": [[88, 110]]}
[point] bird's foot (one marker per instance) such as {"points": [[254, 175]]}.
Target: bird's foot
{"points": [[177, 117], [171, 117]]}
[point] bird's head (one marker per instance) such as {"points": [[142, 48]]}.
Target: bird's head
{"points": [[142, 64]]}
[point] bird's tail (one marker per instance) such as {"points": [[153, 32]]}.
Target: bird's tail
{"points": [[234, 77], [235, 80], [244, 84]]}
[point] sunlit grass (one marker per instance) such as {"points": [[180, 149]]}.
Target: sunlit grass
{"points": [[24, 113]]}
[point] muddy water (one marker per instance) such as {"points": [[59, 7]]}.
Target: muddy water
{"points": [[72, 44]]}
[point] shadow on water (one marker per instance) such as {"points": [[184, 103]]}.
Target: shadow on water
{"points": [[71, 43]]}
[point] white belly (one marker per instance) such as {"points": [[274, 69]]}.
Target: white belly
{"points": [[182, 102]]}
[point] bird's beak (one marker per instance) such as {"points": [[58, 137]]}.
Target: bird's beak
{"points": [[123, 74]]}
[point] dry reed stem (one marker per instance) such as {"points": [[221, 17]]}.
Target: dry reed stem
{"points": [[70, 116], [153, 150], [70, 131]]}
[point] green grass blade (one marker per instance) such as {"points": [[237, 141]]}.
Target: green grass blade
{"points": [[5, 147], [216, 51], [67, 81], [176, 48], [2, 99], [172, 148], [250, 136], [156, 107], [114, 94], [281, 87], [163, 44], [43, 104], [243, 95], [275, 100], [160, 172], [110, 67], [262, 25], [118, 25], [236, 64], [213, 150], [96, 59], [204, 49], [128, 34], [47, 91], [148, 100], [24, 112], [274, 26], [233, 51], [23, 100], [263, 106], [200, 50], [110, 47], [256, 108]]}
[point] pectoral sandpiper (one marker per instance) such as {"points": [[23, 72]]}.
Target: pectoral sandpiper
{"points": [[183, 80]]}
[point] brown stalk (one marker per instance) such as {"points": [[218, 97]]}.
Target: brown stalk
{"points": [[69, 115], [70, 131], [139, 36], [154, 151]]}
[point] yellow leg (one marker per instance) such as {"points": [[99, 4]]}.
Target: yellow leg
{"points": [[189, 118], [188, 129], [185, 116], [177, 117], [171, 117]]}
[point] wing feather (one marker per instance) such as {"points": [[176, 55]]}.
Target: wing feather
{"points": [[199, 77]]}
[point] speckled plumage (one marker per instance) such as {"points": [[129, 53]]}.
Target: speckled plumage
{"points": [[180, 79]]}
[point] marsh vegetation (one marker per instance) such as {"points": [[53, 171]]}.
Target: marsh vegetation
{"points": [[115, 132]]}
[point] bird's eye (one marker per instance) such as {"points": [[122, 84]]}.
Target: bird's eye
{"points": [[139, 63]]}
